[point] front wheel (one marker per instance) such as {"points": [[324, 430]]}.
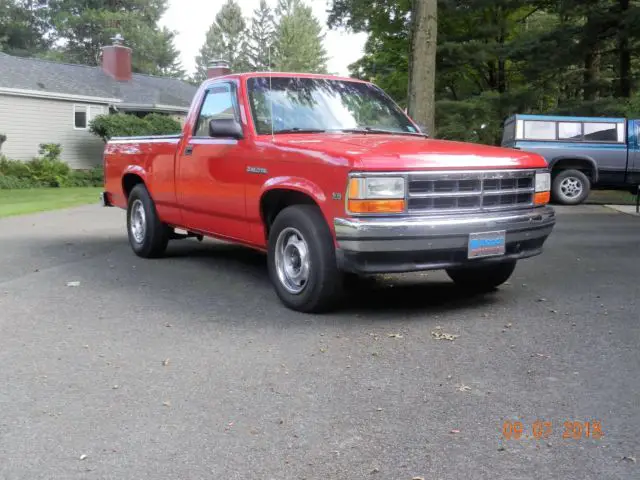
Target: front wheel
{"points": [[570, 187], [482, 278], [301, 260]]}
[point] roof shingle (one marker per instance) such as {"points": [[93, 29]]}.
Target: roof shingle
{"points": [[63, 78]]}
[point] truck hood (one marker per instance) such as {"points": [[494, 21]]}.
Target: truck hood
{"points": [[404, 152]]}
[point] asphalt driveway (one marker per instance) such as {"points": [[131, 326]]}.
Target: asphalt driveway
{"points": [[189, 368]]}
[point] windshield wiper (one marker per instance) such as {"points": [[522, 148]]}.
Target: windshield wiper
{"points": [[299, 130], [379, 131]]}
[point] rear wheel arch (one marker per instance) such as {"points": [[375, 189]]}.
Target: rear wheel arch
{"points": [[129, 181], [586, 165]]}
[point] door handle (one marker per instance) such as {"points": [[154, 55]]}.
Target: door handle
{"points": [[188, 150]]}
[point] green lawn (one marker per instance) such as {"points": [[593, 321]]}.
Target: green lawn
{"points": [[615, 197], [19, 202]]}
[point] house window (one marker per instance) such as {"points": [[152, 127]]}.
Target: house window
{"points": [[80, 117], [536, 130]]}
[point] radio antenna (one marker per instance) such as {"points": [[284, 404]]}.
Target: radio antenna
{"points": [[271, 98]]}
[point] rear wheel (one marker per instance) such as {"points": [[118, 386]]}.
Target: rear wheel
{"points": [[482, 278], [148, 236], [302, 261], [570, 187]]}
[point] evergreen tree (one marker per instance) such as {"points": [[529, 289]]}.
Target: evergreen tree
{"points": [[261, 37], [85, 26], [24, 27], [226, 40], [299, 39]]}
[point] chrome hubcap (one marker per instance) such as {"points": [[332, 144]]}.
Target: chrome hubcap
{"points": [[138, 221], [292, 260], [571, 187]]}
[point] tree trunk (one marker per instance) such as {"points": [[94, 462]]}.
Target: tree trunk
{"points": [[422, 63], [591, 73], [625, 54]]}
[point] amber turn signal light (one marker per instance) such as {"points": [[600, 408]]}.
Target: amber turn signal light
{"points": [[542, 198], [376, 206]]}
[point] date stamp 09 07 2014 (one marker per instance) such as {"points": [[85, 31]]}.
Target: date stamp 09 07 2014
{"points": [[542, 430]]}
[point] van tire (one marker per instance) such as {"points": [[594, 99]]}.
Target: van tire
{"points": [[148, 236], [301, 260], [570, 187]]}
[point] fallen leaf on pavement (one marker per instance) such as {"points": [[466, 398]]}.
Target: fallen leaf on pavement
{"points": [[73, 284], [395, 335], [440, 335], [509, 325], [455, 431], [82, 457], [629, 459], [166, 403], [464, 388], [417, 478], [165, 362]]}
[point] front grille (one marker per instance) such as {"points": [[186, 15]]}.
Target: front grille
{"points": [[442, 192]]}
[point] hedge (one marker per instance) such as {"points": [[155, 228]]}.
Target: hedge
{"points": [[123, 125], [47, 170]]}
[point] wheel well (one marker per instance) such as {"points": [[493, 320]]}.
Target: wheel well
{"points": [[274, 201], [585, 166], [129, 181]]}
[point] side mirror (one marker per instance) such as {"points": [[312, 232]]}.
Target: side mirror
{"points": [[225, 128]]}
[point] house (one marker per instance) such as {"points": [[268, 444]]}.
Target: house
{"points": [[48, 102]]}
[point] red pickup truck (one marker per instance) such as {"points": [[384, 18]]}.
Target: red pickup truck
{"points": [[331, 179]]}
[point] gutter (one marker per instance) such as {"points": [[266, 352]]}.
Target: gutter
{"points": [[19, 92]]}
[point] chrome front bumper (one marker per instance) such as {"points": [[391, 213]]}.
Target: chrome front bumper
{"points": [[409, 243]]}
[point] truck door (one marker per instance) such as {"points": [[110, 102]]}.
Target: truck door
{"points": [[210, 172], [633, 165]]}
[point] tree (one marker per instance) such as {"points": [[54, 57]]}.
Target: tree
{"points": [[261, 37], [422, 63], [24, 27], [85, 26], [298, 45], [226, 40]]}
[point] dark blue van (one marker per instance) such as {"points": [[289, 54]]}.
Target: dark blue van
{"points": [[582, 152]]}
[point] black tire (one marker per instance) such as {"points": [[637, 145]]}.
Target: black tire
{"points": [[323, 286], [570, 187], [483, 278], [154, 240]]}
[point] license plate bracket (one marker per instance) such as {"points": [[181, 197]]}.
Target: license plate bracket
{"points": [[486, 244]]}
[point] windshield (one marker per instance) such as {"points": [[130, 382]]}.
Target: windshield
{"points": [[319, 105]]}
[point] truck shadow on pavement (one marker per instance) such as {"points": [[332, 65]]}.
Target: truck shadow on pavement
{"points": [[430, 291]]}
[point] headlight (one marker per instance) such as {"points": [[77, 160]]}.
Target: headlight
{"points": [[543, 187], [376, 195]]}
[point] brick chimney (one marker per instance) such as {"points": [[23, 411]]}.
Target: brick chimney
{"points": [[217, 68], [116, 60]]}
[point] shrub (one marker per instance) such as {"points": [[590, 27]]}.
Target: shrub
{"points": [[14, 168], [86, 178], [50, 151], [123, 125], [49, 173], [9, 182]]}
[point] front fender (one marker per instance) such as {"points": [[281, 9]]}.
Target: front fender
{"points": [[297, 184]]}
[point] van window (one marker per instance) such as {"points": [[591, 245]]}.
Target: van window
{"points": [[537, 130], [600, 132], [569, 130]]}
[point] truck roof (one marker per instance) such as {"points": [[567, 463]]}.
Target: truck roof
{"points": [[286, 74]]}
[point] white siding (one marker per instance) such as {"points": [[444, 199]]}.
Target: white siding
{"points": [[28, 122]]}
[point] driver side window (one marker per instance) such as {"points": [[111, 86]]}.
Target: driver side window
{"points": [[219, 103]]}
